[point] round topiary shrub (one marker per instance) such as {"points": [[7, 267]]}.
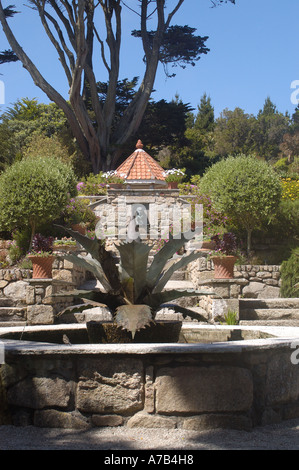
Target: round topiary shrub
{"points": [[246, 189], [33, 192]]}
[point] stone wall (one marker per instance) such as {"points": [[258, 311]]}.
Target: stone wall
{"points": [[197, 389], [250, 281], [31, 301], [115, 211]]}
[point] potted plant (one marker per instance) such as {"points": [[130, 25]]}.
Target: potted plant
{"points": [[92, 185], [64, 244], [224, 255], [133, 291], [41, 256], [114, 180], [174, 177], [79, 216]]}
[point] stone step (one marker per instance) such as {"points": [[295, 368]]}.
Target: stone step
{"points": [[6, 302], [12, 313], [9, 323], [269, 303], [177, 284], [179, 276], [277, 322], [268, 313]]}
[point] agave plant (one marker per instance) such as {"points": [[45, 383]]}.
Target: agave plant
{"points": [[132, 290]]}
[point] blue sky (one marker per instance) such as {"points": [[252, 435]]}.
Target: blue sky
{"points": [[254, 53]]}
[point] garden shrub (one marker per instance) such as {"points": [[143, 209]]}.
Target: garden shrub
{"points": [[246, 189], [290, 275], [19, 244], [92, 185], [34, 191], [290, 188], [77, 211], [285, 224], [214, 221]]}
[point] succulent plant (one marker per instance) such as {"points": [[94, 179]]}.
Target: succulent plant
{"points": [[132, 290]]}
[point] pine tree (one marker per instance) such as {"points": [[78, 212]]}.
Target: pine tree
{"points": [[205, 119]]}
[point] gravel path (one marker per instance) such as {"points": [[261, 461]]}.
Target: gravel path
{"points": [[284, 436]]}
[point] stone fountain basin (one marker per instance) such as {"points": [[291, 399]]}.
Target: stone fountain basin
{"points": [[217, 382], [192, 333]]}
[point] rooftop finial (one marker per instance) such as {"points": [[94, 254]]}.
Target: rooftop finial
{"points": [[139, 144]]}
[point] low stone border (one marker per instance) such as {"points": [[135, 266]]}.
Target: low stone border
{"points": [[238, 384], [250, 281]]}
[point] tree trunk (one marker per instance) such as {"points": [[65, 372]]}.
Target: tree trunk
{"points": [[93, 133], [249, 232]]}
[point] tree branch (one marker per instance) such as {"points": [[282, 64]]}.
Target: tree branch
{"points": [[43, 14], [171, 14], [39, 80], [102, 49]]}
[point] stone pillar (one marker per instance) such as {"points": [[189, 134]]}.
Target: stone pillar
{"points": [[42, 307]]}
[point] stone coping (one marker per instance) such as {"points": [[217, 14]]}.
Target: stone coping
{"points": [[282, 337]]}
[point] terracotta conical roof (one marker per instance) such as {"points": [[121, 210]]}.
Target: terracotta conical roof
{"points": [[140, 166]]}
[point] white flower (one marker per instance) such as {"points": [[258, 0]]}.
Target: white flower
{"points": [[108, 174]]}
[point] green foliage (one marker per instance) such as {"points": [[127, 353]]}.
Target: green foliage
{"points": [[40, 145], [174, 175], [290, 275], [179, 47], [246, 189], [230, 318], [233, 133], [8, 55], [77, 211], [205, 119], [133, 282], [36, 129], [20, 244], [214, 221], [281, 166], [285, 224], [34, 191], [92, 185], [269, 129], [163, 123]]}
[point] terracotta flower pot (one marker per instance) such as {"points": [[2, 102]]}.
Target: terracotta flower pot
{"points": [[42, 266], [173, 185], [79, 228], [224, 266]]}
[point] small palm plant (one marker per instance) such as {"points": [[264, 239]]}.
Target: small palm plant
{"points": [[132, 290]]}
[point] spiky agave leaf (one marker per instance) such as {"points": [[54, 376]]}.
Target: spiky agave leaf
{"points": [[133, 317], [133, 260], [80, 307], [111, 300], [166, 275], [91, 245], [95, 247], [161, 258], [91, 265], [186, 312], [155, 300]]}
